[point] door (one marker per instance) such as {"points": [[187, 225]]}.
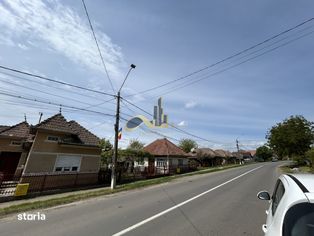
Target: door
{"points": [[8, 164]]}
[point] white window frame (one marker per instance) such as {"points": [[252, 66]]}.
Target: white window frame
{"points": [[160, 162], [67, 167]]}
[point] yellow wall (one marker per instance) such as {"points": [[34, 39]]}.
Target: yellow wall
{"points": [[43, 155], [41, 144], [5, 145]]}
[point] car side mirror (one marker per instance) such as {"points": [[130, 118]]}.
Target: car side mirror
{"points": [[263, 195]]}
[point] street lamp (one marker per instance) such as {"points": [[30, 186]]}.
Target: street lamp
{"points": [[116, 130]]}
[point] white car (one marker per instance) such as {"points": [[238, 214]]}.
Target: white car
{"points": [[291, 210]]}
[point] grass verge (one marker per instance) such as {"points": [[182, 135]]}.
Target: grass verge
{"points": [[292, 169], [51, 202]]}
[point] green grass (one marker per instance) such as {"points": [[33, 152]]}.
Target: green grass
{"points": [[51, 202], [301, 169]]}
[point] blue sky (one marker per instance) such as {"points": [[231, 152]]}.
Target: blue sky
{"points": [[166, 40]]}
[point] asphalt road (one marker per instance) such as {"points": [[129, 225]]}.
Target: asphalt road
{"points": [[220, 203]]}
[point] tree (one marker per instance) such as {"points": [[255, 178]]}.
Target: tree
{"points": [[106, 151], [135, 145], [105, 145], [292, 137], [310, 156], [187, 144], [264, 152]]}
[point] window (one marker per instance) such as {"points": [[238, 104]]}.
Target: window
{"points": [[53, 138], [67, 163], [161, 163], [278, 193], [299, 220], [16, 143]]}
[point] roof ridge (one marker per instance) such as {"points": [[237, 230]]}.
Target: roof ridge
{"points": [[14, 126], [73, 121], [50, 118]]}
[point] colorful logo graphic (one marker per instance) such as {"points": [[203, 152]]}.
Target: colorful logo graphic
{"points": [[160, 120]]}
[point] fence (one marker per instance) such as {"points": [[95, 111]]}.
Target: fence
{"points": [[43, 182], [130, 174], [46, 181]]}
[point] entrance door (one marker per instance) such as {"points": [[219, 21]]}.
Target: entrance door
{"points": [[8, 164], [151, 167]]}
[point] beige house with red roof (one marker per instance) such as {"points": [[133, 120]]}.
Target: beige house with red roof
{"points": [[54, 152], [166, 155]]}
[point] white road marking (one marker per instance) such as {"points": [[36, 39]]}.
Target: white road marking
{"points": [[180, 204]]}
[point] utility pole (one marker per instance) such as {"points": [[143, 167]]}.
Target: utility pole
{"points": [[116, 131], [237, 142]]}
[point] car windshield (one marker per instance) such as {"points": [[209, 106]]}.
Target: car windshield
{"points": [[299, 220]]}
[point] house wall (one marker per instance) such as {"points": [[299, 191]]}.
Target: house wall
{"points": [[144, 163], [41, 144], [43, 155], [6, 146], [171, 164]]}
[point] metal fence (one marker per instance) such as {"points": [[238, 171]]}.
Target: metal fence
{"points": [[45, 182]]}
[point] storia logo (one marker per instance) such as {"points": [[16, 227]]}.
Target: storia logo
{"points": [[160, 119], [31, 216]]}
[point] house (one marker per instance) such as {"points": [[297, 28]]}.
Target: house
{"points": [[247, 155], [53, 154], [167, 157], [209, 157], [15, 142], [204, 156]]}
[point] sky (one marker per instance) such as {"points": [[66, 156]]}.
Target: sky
{"points": [[240, 98]]}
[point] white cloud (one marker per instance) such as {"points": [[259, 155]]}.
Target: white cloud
{"points": [[182, 123], [22, 46], [54, 26], [190, 104]]}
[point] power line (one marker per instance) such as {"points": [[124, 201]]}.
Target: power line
{"points": [[171, 125], [54, 104], [54, 81], [31, 80], [45, 92], [183, 85], [101, 57], [225, 59]]}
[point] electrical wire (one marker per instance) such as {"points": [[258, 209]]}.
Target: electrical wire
{"points": [[173, 126], [54, 104], [49, 85], [54, 81], [227, 58], [183, 85], [100, 54]]}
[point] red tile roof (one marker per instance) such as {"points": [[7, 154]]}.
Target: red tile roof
{"points": [[55, 123], [84, 135], [3, 127], [60, 124], [21, 130], [163, 147]]}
